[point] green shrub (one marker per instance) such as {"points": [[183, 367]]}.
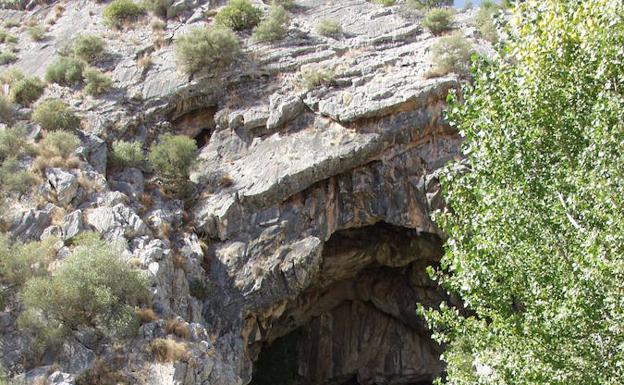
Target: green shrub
{"points": [[239, 15], [89, 48], [126, 154], [96, 82], [439, 20], [274, 27], [59, 144], [317, 77], [6, 109], [287, 4], [206, 48], [451, 54], [6, 37], [13, 142], [158, 7], [171, 159], [119, 12], [485, 21], [21, 261], [36, 32], [329, 27], [10, 23], [53, 114], [11, 76], [385, 3], [26, 90], [427, 4], [7, 57], [65, 71], [93, 287], [14, 179]]}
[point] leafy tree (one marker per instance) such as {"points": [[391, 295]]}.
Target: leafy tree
{"points": [[536, 219], [171, 159], [93, 287]]}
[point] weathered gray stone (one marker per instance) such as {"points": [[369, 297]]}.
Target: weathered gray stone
{"points": [[72, 224], [30, 224], [65, 184], [116, 222]]}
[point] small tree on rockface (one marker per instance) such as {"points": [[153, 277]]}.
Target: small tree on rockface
{"points": [[171, 159], [536, 226], [93, 287]]}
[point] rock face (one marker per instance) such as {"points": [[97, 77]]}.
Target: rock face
{"points": [[303, 247]]}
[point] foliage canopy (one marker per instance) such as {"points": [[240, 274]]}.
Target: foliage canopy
{"points": [[536, 227]]}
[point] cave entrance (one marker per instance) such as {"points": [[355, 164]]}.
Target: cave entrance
{"points": [[198, 124], [358, 326]]}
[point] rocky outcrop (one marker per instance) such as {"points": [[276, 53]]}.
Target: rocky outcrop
{"points": [[308, 228]]}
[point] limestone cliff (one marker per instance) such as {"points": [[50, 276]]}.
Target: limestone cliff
{"points": [[306, 238]]}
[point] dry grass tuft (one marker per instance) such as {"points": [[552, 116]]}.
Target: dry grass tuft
{"points": [[168, 350], [178, 328], [146, 315]]}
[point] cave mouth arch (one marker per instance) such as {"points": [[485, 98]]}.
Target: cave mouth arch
{"points": [[358, 324]]}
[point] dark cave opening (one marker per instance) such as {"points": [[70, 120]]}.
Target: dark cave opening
{"points": [[358, 326], [203, 137]]}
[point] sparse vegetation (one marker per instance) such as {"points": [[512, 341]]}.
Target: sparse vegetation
{"points": [[178, 328], [6, 109], [146, 315], [206, 49], [239, 15], [10, 23], [329, 27], [120, 12], [36, 32], [158, 7], [385, 3], [168, 350], [96, 82], [65, 71], [7, 57], [93, 287], [171, 159], [126, 154], [14, 178], [54, 114], [101, 373], [274, 27], [89, 48], [22, 261], [485, 21], [316, 77], [6, 37], [427, 4], [13, 143], [25, 90], [439, 20], [57, 149], [451, 54]]}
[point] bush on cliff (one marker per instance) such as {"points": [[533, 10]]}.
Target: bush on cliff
{"points": [[274, 27], [439, 20], [171, 159], [239, 15], [536, 220], [92, 287], [120, 12], [206, 49], [54, 114]]}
